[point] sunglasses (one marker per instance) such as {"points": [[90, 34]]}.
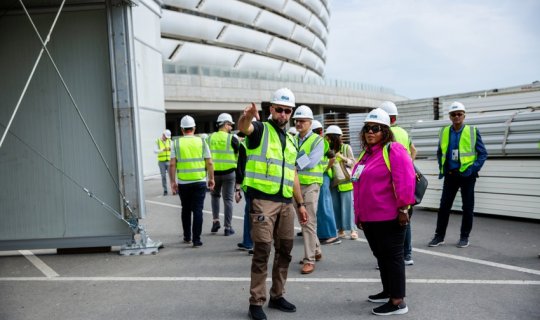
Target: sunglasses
{"points": [[280, 110], [374, 128], [456, 114]]}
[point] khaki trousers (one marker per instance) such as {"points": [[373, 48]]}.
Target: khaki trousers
{"points": [[270, 221], [312, 246]]}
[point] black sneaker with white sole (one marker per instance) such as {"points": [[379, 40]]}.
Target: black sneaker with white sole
{"points": [[381, 297], [388, 309], [463, 243], [436, 241]]}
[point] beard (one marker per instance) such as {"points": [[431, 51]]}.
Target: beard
{"points": [[280, 123]]}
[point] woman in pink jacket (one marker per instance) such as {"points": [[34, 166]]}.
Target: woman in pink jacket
{"points": [[382, 196]]}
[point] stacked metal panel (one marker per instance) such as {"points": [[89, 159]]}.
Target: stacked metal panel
{"points": [[411, 111]]}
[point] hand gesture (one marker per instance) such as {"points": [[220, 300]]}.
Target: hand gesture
{"points": [[251, 111]]}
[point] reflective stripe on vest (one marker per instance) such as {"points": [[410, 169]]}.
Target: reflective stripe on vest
{"points": [[467, 146], [401, 136], [223, 155], [190, 164], [315, 174], [344, 186], [268, 167], [164, 155]]}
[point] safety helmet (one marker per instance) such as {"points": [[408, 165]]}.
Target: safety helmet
{"points": [[303, 112], [283, 97], [378, 116], [333, 129], [187, 122], [292, 130], [456, 106], [167, 133], [315, 125], [389, 107], [224, 117]]}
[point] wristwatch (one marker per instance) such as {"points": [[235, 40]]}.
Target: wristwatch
{"points": [[301, 204]]}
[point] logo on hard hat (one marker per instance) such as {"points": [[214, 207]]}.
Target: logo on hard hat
{"points": [[284, 98], [373, 116]]}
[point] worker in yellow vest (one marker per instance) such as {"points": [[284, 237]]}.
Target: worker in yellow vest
{"points": [[163, 151], [270, 182], [191, 172], [310, 148], [461, 155], [402, 137], [224, 149]]}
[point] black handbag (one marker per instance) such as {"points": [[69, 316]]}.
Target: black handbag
{"points": [[421, 182], [421, 186]]}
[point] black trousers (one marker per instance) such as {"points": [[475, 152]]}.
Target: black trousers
{"points": [[453, 183], [385, 239]]}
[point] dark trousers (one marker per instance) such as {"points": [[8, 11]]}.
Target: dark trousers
{"points": [[453, 182], [385, 239], [192, 200]]}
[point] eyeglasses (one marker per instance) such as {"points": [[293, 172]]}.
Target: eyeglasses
{"points": [[280, 110], [456, 114], [374, 128]]}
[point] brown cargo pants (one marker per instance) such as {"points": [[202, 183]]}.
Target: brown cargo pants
{"points": [[270, 221]]}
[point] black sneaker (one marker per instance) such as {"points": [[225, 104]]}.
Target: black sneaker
{"points": [[256, 312], [243, 247], [336, 240], [282, 305], [299, 234], [197, 244], [463, 243], [390, 309], [228, 231], [250, 252], [381, 297], [165, 192], [436, 241], [215, 226]]}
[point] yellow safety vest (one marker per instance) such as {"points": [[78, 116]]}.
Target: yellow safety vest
{"points": [[467, 146], [164, 155], [315, 174], [190, 164], [269, 166], [223, 155], [401, 136]]}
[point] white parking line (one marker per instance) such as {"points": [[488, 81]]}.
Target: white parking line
{"points": [[247, 279], [38, 263], [430, 252]]}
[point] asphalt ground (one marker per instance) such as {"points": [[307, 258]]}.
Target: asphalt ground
{"points": [[496, 277]]}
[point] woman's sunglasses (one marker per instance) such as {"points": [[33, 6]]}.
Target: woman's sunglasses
{"points": [[280, 110], [374, 128]]}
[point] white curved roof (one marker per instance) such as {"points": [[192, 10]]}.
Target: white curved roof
{"points": [[269, 35]]}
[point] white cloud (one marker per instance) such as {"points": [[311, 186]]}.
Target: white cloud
{"points": [[427, 48]]}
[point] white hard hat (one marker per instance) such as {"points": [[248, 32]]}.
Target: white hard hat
{"points": [[389, 107], [333, 129], [456, 106], [303, 112], [167, 133], [292, 130], [283, 97], [378, 116], [187, 122], [224, 117], [316, 125]]}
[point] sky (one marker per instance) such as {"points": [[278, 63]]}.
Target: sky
{"points": [[429, 48]]}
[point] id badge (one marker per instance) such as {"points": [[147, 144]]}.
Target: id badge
{"points": [[455, 154], [357, 172]]}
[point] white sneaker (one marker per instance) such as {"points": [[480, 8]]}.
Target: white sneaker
{"points": [[409, 262]]}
